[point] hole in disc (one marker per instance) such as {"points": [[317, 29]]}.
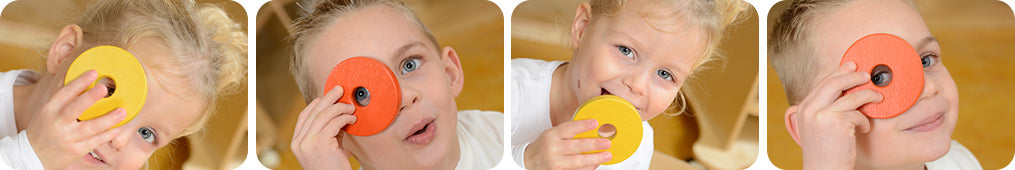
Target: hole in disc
{"points": [[881, 75], [607, 131], [110, 86]]}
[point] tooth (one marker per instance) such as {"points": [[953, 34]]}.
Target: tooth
{"points": [[93, 155]]}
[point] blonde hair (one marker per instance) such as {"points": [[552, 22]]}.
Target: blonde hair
{"points": [[789, 47], [714, 16], [318, 18], [208, 48]]}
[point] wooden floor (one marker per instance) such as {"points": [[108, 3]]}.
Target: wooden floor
{"points": [[976, 38]]}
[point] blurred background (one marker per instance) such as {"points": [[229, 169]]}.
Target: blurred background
{"points": [[475, 28], [720, 129], [28, 29], [976, 39]]}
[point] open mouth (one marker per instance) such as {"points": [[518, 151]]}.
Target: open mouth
{"points": [[603, 91], [94, 158], [422, 133]]}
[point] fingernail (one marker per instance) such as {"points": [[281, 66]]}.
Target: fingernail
{"points": [[605, 144], [92, 73], [120, 112], [608, 156]]}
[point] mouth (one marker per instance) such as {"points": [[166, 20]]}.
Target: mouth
{"points": [[94, 157], [422, 133], [603, 91], [929, 123]]}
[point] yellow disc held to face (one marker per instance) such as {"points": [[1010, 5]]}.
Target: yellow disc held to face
{"points": [[128, 87], [618, 121]]}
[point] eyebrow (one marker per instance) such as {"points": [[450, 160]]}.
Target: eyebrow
{"points": [[926, 41], [405, 48]]}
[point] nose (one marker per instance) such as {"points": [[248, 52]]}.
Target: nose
{"points": [[410, 96], [120, 140], [635, 81], [929, 87]]}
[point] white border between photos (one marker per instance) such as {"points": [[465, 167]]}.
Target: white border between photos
{"points": [[507, 8]]}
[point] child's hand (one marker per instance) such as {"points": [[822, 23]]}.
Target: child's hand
{"points": [[317, 140], [554, 148], [828, 123], [56, 135]]}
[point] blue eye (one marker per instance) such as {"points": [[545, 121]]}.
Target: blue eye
{"points": [[665, 75], [928, 60], [626, 51], [147, 134], [410, 65]]}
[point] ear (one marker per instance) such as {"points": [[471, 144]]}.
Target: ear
{"points": [[63, 48], [581, 20], [453, 67], [791, 123]]}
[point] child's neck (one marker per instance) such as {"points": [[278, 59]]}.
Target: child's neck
{"points": [[28, 99], [563, 101]]}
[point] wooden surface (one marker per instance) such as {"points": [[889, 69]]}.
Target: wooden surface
{"points": [[473, 27], [976, 38]]}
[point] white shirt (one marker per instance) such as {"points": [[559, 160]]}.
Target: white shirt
{"points": [[530, 104], [15, 150], [958, 157], [480, 138]]}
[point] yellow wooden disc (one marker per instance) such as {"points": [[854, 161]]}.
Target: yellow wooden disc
{"points": [[131, 86], [613, 110]]}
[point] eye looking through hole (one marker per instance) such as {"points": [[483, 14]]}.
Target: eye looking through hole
{"points": [[110, 86], [362, 96], [607, 131], [881, 76]]}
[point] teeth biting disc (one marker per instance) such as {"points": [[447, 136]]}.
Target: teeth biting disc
{"points": [[896, 73], [372, 88], [613, 114], [126, 73]]}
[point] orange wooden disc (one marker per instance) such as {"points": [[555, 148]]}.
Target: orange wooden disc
{"points": [[369, 85], [878, 54]]}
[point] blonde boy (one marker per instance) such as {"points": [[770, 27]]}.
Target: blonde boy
{"points": [[428, 133], [806, 45]]}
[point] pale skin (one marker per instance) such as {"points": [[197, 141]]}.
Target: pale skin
{"points": [[48, 111], [827, 125], [622, 55], [429, 80]]}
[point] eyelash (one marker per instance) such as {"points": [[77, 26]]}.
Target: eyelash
{"points": [[934, 59], [632, 54], [621, 49], [418, 63], [154, 135]]}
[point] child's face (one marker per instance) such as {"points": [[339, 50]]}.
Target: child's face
{"points": [[422, 136], [922, 133], [624, 55], [163, 117]]}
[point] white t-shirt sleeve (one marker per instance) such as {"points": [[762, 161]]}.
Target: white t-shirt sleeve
{"points": [[530, 83], [481, 139], [17, 153]]}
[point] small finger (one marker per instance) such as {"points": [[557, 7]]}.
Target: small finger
{"points": [[568, 130]]}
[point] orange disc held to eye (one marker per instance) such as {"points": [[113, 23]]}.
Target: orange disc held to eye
{"points": [[369, 85], [896, 73]]}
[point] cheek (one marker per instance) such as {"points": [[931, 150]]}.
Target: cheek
{"points": [[661, 98], [368, 150], [134, 158]]}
